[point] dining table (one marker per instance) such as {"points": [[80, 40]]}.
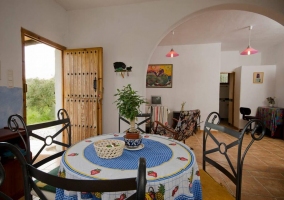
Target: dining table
{"points": [[171, 168]]}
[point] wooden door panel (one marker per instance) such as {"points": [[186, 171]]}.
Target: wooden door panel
{"points": [[81, 68]]}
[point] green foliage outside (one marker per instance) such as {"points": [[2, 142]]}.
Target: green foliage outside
{"points": [[40, 100]]}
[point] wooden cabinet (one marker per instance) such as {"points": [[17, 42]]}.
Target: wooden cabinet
{"points": [[13, 184]]}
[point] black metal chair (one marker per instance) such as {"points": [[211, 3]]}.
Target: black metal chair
{"points": [[62, 124], [29, 172], [233, 170], [147, 120], [246, 115]]}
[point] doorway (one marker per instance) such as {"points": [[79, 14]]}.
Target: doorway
{"points": [[226, 98], [40, 65], [44, 74], [42, 82]]}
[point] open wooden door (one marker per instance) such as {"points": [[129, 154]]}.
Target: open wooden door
{"points": [[231, 98], [83, 86]]}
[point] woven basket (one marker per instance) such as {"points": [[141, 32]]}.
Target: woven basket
{"points": [[109, 148]]}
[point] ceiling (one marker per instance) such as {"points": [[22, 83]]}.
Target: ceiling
{"points": [[228, 27]]}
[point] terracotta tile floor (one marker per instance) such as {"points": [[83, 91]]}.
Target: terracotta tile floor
{"points": [[263, 170]]}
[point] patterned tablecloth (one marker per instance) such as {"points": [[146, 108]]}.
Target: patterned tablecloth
{"points": [[172, 170], [271, 117]]}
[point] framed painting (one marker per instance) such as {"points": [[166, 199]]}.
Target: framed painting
{"points": [[258, 77], [159, 76]]}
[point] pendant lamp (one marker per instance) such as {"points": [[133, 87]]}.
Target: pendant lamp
{"points": [[249, 50], [172, 53]]}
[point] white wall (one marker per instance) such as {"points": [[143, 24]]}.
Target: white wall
{"points": [[196, 77], [253, 95], [231, 60], [274, 55]]}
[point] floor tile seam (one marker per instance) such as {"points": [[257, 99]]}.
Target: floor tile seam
{"points": [[263, 186], [270, 173]]}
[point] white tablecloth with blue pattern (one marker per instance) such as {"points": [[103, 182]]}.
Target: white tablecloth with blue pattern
{"points": [[172, 170]]}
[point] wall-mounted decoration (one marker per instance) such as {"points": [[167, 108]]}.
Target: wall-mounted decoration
{"points": [[159, 76], [121, 67], [156, 100], [258, 77]]}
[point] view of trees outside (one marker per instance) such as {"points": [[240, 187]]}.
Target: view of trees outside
{"points": [[40, 100], [40, 73]]}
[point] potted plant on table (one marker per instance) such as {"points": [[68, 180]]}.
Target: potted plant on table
{"points": [[128, 104]]}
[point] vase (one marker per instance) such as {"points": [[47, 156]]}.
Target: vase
{"points": [[271, 105]]}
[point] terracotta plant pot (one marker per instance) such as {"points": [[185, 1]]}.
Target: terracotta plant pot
{"points": [[132, 135]]}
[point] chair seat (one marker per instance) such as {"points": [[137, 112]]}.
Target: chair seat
{"points": [[212, 190], [250, 117]]}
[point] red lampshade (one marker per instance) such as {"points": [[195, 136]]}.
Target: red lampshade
{"points": [[249, 51], [172, 54]]}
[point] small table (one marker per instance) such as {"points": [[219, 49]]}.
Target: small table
{"points": [[172, 170], [272, 117]]}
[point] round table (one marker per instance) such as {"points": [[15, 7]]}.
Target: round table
{"points": [[172, 170]]}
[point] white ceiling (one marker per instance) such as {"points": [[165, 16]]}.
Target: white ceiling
{"points": [[228, 27]]}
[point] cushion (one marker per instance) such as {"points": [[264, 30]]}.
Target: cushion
{"points": [[46, 187], [211, 189]]}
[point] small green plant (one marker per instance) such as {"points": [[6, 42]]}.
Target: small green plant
{"points": [[271, 100], [128, 102]]}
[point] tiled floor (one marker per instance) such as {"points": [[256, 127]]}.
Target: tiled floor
{"points": [[263, 170]]}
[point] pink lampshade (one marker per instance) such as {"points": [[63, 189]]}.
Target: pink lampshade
{"points": [[249, 51], [172, 54]]}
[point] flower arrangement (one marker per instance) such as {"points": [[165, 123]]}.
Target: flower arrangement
{"points": [[271, 100]]}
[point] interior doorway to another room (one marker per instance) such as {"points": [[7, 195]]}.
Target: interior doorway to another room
{"points": [[226, 98]]}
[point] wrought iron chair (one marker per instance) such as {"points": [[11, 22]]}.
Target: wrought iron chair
{"points": [[29, 172], [234, 173], [16, 123], [186, 126], [147, 120]]}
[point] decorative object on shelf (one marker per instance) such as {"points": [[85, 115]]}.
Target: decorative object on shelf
{"points": [[249, 50], [172, 53], [159, 76], [271, 101], [258, 77], [128, 104], [182, 106], [121, 67]]}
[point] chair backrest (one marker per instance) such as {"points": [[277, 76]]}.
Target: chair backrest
{"points": [[29, 172], [148, 120], [245, 111], [228, 139], [187, 124], [16, 123]]}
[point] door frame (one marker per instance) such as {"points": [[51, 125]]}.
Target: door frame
{"points": [[34, 36], [231, 78]]}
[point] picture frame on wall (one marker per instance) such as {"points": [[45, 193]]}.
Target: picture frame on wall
{"points": [[156, 100], [159, 76], [258, 77]]}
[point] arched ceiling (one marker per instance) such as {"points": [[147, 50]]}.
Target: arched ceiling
{"points": [[228, 27]]}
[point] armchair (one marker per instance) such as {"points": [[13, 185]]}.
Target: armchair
{"points": [[186, 126]]}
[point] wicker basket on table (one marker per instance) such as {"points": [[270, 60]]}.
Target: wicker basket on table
{"points": [[109, 148]]}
